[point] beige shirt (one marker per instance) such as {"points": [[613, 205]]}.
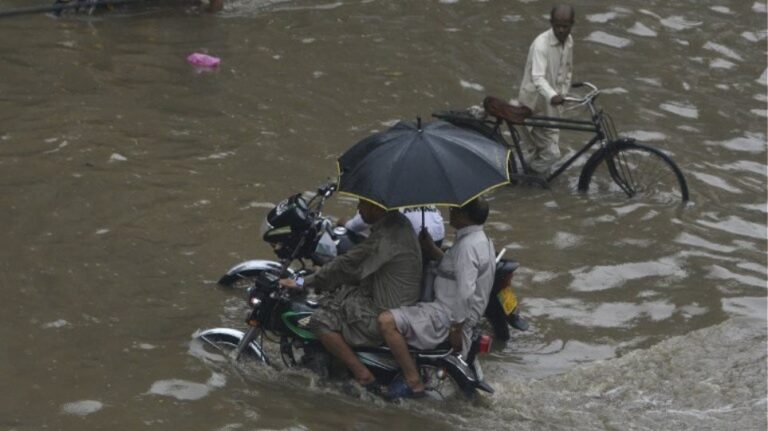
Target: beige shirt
{"points": [[386, 266], [548, 72]]}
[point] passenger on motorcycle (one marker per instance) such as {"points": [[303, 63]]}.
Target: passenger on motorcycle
{"points": [[432, 220], [462, 287], [380, 273]]}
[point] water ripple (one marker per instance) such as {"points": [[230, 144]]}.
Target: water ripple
{"points": [[640, 29], [611, 276], [750, 142], [723, 50], [679, 23], [738, 226], [693, 240], [717, 271], [608, 39], [603, 315], [681, 109], [716, 182]]}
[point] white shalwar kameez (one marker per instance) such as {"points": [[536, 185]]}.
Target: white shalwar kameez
{"points": [[548, 72]]}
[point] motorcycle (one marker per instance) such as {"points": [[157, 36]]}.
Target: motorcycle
{"points": [[299, 233]]}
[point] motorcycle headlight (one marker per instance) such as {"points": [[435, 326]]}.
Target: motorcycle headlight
{"points": [[255, 302]]}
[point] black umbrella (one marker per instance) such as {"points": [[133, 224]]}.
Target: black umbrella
{"points": [[410, 165]]}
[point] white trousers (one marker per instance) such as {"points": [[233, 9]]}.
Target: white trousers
{"points": [[542, 148]]}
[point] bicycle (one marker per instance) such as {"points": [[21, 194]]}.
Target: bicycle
{"points": [[636, 169]]}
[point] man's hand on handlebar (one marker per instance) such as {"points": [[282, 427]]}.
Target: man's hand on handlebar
{"points": [[556, 100]]}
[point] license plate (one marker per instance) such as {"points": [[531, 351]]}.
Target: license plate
{"points": [[508, 300]]}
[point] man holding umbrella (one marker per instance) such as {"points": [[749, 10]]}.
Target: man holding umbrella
{"points": [[462, 287]]}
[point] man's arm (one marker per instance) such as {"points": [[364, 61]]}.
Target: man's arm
{"points": [[344, 269], [466, 270], [428, 246], [539, 62]]}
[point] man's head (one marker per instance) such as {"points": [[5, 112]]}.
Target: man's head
{"points": [[369, 212], [474, 212], [562, 18]]}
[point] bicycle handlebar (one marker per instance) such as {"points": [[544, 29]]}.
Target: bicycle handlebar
{"points": [[584, 100]]}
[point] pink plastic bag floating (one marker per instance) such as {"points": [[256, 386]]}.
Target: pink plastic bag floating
{"points": [[203, 60]]}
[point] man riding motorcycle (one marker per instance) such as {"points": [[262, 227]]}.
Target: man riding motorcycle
{"points": [[380, 273]]}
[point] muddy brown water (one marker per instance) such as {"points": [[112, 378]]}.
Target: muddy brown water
{"points": [[130, 181]]}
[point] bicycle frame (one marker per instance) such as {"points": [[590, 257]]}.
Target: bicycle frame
{"points": [[492, 131], [593, 126]]}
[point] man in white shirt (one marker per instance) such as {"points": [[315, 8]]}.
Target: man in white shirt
{"points": [[547, 78], [462, 288]]}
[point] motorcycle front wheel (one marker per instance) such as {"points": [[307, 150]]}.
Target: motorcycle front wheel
{"points": [[222, 343]]}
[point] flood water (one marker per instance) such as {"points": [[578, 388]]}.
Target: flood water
{"points": [[129, 182]]}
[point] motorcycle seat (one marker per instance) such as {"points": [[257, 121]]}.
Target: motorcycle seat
{"points": [[442, 349]]}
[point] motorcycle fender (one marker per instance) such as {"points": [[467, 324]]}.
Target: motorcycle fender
{"points": [[234, 336], [464, 375], [460, 368], [249, 268]]}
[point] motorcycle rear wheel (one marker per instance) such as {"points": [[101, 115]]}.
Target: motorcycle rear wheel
{"points": [[438, 383]]}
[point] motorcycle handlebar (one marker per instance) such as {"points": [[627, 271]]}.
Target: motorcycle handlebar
{"points": [[327, 189]]}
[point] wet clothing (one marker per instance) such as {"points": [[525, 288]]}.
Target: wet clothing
{"points": [[548, 72], [462, 287], [382, 272]]}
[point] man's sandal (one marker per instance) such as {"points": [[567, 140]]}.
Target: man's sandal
{"points": [[400, 389]]}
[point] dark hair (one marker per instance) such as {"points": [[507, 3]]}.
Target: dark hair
{"points": [[476, 210], [555, 8]]}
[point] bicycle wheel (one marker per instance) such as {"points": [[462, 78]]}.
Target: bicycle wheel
{"points": [[636, 170]]}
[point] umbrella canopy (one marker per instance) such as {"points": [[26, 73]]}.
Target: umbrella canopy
{"points": [[409, 165]]}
